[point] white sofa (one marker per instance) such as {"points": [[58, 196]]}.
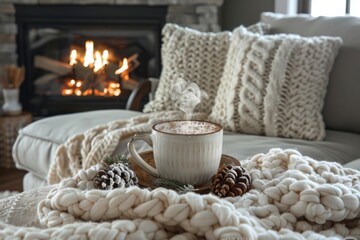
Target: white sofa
{"points": [[36, 144]]}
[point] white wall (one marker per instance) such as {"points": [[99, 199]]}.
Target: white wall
{"points": [[286, 6]]}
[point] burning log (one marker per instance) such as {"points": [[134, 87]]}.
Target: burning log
{"points": [[85, 74], [46, 79], [100, 82], [128, 65], [52, 65], [134, 62], [90, 74], [110, 71], [48, 84]]}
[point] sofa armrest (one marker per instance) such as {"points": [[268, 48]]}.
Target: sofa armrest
{"points": [[142, 90]]}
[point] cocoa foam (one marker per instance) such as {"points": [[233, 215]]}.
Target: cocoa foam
{"points": [[187, 127]]}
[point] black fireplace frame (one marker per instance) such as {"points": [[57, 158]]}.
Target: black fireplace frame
{"points": [[111, 16]]}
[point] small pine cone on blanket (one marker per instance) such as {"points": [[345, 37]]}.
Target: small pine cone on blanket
{"points": [[116, 174], [230, 181]]}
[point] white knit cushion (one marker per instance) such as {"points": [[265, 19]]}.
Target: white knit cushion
{"points": [[259, 27], [196, 57], [275, 84]]}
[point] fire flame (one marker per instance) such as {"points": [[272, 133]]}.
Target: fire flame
{"points": [[124, 67], [73, 87], [95, 61], [105, 57], [73, 56], [89, 53], [98, 64]]}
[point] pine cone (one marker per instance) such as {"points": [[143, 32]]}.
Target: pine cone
{"points": [[116, 175], [230, 181]]}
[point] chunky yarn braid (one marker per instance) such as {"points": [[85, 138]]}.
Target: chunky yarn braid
{"points": [[292, 196]]}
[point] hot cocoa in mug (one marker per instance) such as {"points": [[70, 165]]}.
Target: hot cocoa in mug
{"points": [[187, 151]]}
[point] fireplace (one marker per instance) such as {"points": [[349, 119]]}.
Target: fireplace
{"points": [[80, 58], [21, 20]]}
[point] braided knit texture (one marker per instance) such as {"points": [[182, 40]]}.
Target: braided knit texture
{"points": [[191, 55], [196, 57], [292, 197], [275, 85], [259, 27], [86, 149]]}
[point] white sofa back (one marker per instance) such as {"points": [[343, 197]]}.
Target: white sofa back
{"points": [[341, 108]]}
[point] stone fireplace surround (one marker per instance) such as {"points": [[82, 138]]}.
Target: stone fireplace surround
{"points": [[197, 14]]}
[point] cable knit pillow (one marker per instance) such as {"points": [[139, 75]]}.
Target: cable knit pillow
{"points": [[194, 56], [275, 85]]}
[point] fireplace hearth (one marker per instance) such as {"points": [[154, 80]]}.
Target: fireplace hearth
{"points": [[24, 22], [81, 58]]}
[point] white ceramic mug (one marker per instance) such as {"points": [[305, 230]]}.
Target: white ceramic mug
{"points": [[187, 151]]}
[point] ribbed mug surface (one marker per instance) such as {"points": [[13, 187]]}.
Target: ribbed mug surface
{"points": [[190, 157]]}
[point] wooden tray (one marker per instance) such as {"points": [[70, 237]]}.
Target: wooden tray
{"points": [[146, 180]]}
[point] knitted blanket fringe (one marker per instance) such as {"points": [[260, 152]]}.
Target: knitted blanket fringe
{"points": [[292, 197], [86, 149]]}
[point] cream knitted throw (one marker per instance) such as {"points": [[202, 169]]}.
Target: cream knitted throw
{"points": [[86, 149], [292, 197]]}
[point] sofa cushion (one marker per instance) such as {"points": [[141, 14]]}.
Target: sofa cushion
{"points": [[340, 107], [341, 147], [31, 181], [259, 27], [195, 57], [36, 144], [355, 164], [275, 85], [35, 147]]}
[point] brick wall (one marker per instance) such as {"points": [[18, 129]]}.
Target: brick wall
{"points": [[198, 14]]}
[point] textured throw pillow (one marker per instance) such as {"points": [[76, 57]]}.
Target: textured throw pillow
{"points": [[194, 56], [259, 27], [275, 85]]}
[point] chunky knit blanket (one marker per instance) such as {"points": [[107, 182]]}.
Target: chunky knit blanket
{"points": [[292, 197]]}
